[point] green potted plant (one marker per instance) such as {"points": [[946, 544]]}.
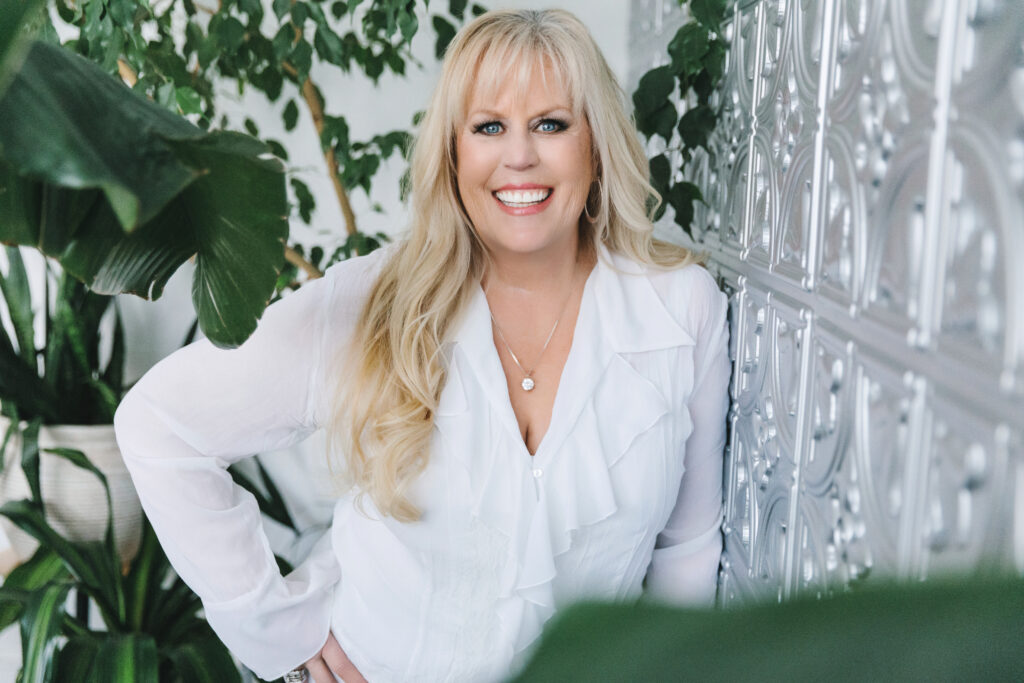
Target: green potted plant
{"points": [[152, 629], [77, 504], [120, 192], [62, 395]]}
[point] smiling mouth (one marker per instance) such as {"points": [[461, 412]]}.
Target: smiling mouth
{"points": [[518, 199]]}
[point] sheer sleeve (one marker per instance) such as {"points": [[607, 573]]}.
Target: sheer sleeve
{"points": [[685, 562], [198, 411]]}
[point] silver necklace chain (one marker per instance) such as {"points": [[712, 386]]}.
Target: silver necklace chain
{"points": [[528, 382]]}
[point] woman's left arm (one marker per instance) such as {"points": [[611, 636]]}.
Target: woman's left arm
{"points": [[684, 565]]}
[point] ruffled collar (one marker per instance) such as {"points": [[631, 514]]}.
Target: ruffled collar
{"points": [[620, 313]]}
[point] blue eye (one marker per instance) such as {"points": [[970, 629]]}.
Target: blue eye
{"points": [[488, 128], [551, 126]]}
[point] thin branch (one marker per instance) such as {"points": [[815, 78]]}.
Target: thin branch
{"points": [[127, 73], [295, 258], [316, 108]]}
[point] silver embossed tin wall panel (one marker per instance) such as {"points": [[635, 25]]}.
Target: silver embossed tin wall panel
{"points": [[866, 213]]}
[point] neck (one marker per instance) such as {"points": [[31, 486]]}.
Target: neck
{"points": [[535, 274]]}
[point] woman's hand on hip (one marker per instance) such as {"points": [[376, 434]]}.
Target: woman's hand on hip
{"points": [[332, 661]]}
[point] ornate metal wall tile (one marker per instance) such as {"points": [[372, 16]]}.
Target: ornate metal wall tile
{"points": [[774, 68], [858, 28], [865, 191], [982, 320], [844, 225], [968, 508], [854, 479]]}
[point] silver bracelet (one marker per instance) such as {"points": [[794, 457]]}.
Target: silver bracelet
{"points": [[296, 676]]}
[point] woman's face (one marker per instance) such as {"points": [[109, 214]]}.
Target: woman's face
{"points": [[524, 167]]}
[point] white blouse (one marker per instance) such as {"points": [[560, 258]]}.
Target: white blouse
{"points": [[626, 484]]}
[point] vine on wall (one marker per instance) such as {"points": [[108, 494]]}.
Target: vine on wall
{"points": [[674, 102]]}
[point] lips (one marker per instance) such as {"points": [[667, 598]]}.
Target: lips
{"points": [[523, 200], [523, 197]]}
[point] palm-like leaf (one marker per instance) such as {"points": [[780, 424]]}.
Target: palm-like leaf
{"points": [[972, 629], [13, 36], [16, 292], [42, 568], [40, 630], [204, 660], [77, 658], [89, 563], [122, 192]]}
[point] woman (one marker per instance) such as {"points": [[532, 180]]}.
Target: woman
{"points": [[529, 394]]}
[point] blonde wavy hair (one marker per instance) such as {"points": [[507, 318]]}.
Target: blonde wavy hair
{"points": [[386, 398]]}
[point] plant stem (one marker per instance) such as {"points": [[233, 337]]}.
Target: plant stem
{"points": [[128, 74], [311, 95], [293, 257]]}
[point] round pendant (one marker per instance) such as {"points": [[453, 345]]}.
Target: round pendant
{"points": [[527, 384]]}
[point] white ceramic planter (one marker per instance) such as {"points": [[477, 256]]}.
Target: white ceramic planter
{"points": [[72, 497]]}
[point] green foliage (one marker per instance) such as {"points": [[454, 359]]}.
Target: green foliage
{"points": [[272, 54], [14, 38], [66, 381], [696, 58], [153, 630], [304, 198], [269, 498], [445, 32], [122, 192], [938, 631], [359, 243], [709, 12]]}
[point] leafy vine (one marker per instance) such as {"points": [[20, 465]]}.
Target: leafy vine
{"points": [[685, 121]]}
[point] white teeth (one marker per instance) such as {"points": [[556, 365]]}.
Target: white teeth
{"points": [[518, 198]]}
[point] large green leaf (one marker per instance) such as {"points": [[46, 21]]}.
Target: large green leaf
{"points": [[14, 37], [176, 617], [79, 140], [109, 658], [79, 459], [30, 460], [112, 587], [238, 214], [21, 386], [95, 159], [113, 375], [77, 658], [167, 612], [42, 568], [126, 658], [710, 13], [232, 219], [969, 630], [18, 296], [653, 91], [73, 355], [687, 48], [144, 581], [204, 659], [40, 629], [8, 436], [89, 563]]}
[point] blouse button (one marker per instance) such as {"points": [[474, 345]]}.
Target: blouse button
{"points": [[538, 473]]}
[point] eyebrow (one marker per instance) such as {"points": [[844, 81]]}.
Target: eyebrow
{"points": [[497, 115]]}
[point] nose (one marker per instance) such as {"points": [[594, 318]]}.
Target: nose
{"points": [[521, 151]]}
